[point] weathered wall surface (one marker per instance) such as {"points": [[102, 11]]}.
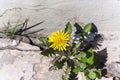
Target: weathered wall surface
{"points": [[55, 13]]}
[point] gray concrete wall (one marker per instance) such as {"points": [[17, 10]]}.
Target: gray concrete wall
{"points": [[17, 65], [56, 13]]}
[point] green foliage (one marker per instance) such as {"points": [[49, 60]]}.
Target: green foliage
{"points": [[90, 56], [53, 68], [87, 28], [65, 76], [92, 75], [68, 28], [81, 55], [77, 58], [48, 52], [79, 67], [11, 31], [58, 64], [44, 40]]}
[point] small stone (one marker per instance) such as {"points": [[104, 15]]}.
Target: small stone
{"points": [[113, 68], [116, 78]]}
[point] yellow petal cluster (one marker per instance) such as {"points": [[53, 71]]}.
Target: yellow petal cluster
{"points": [[59, 40]]}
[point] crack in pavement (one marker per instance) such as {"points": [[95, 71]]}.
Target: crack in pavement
{"points": [[19, 8], [13, 48], [9, 10]]}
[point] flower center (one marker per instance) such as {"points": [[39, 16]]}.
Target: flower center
{"points": [[59, 40]]}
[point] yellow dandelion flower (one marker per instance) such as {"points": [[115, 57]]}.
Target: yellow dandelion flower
{"points": [[59, 40]]}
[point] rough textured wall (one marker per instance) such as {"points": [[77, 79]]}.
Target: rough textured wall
{"points": [[55, 13]]}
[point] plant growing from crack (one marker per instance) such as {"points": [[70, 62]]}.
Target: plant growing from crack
{"points": [[73, 56], [18, 31]]}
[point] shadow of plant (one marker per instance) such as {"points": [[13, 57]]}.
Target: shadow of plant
{"points": [[100, 56]]}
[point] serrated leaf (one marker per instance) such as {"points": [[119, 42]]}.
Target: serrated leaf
{"points": [[83, 54], [48, 52], [90, 50], [68, 70], [90, 56], [98, 73], [78, 56], [76, 63], [76, 70], [79, 66], [53, 68], [66, 75], [87, 28], [76, 47], [83, 66], [90, 61], [92, 75], [68, 28], [87, 78], [58, 64], [44, 40], [84, 60]]}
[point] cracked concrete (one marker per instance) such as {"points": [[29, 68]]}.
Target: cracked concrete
{"points": [[24, 61], [7, 10], [43, 73], [16, 64], [55, 14]]}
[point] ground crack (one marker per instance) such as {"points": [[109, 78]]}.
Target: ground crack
{"points": [[9, 10], [14, 48]]}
